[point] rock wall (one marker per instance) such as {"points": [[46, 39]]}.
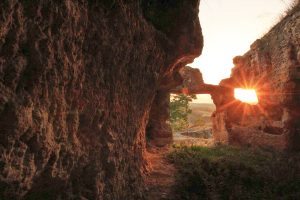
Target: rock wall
{"points": [[192, 83], [159, 131], [187, 80], [77, 81], [272, 67]]}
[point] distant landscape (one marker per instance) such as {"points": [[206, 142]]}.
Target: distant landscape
{"points": [[200, 116], [199, 131]]}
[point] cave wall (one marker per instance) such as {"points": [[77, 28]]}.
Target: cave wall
{"points": [[159, 131], [77, 81], [272, 67], [190, 44]]}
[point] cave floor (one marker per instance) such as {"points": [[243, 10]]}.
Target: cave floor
{"points": [[161, 176]]}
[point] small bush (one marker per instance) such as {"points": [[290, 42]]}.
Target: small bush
{"points": [[231, 173]]}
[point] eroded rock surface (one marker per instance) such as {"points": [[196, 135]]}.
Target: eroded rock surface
{"points": [[187, 80], [77, 81], [271, 67], [192, 83], [158, 130]]}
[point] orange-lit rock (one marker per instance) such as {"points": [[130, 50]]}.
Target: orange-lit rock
{"points": [[77, 82], [192, 82], [271, 67], [186, 80]]}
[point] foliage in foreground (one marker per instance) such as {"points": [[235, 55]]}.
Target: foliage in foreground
{"points": [[231, 173]]}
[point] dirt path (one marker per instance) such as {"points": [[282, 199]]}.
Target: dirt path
{"points": [[161, 176]]}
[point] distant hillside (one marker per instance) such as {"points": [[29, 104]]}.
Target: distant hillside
{"points": [[200, 116], [202, 107]]}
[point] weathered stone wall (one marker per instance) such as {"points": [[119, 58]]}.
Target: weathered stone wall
{"points": [[193, 83], [272, 67], [187, 80], [159, 132], [77, 82]]}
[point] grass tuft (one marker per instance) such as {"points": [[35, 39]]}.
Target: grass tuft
{"points": [[231, 173]]}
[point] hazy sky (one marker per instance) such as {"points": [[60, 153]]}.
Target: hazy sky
{"points": [[229, 28]]}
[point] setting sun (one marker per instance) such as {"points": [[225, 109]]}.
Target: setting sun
{"points": [[246, 95]]}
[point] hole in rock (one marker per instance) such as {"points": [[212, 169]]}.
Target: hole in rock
{"points": [[190, 119], [246, 95]]}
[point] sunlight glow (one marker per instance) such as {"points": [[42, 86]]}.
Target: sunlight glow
{"points": [[229, 28], [246, 95]]}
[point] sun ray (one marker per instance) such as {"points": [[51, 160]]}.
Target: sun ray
{"points": [[246, 95]]}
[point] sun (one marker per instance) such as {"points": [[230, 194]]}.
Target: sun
{"points": [[246, 95]]}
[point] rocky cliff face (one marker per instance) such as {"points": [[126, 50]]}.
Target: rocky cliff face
{"points": [[159, 131], [192, 83], [272, 67], [77, 81], [187, 80]]}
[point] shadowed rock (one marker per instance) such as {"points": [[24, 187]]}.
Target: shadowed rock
{"points": [[187, 80], [77, 81], [192, 83]]}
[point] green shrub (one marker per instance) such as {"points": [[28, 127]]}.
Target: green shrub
{"points": [[179, 111], [231, 173]]}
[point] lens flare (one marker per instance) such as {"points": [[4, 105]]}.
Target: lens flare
{"points": [[246, 95]]}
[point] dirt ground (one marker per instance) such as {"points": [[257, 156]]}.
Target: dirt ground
{"points": [[161, 177]]}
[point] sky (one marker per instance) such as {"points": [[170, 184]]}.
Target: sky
{"points": [[229, 28]]}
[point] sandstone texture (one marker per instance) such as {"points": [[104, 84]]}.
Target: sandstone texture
{"points": [[272, 67], [159, 132], [187, 80], [78, 79], [192, 83]]}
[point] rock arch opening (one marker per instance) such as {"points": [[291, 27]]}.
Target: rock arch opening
{"points": [[269, 118], [193, 125], [180, 125]]}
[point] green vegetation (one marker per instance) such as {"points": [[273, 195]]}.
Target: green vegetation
{"points": [[232, 173], [293, 7], [179, 110]]}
